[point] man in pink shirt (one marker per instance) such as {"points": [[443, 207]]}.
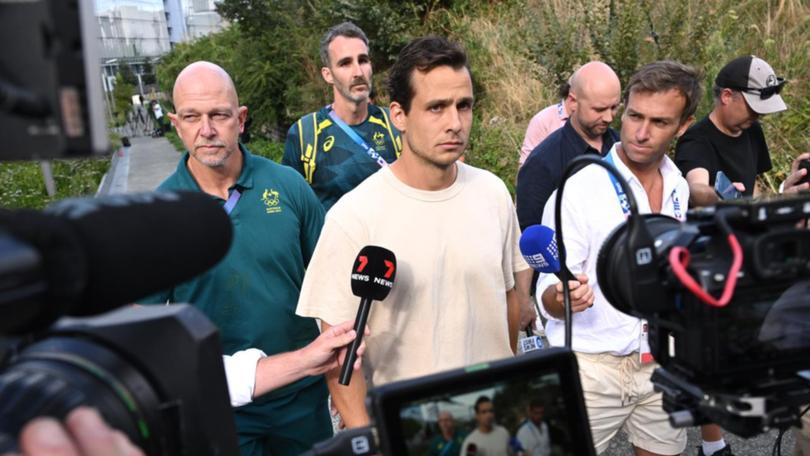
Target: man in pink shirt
{"points": [[545, 122]]}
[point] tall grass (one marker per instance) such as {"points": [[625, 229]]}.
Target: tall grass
{"points": [[23, 186], [522, 51]]}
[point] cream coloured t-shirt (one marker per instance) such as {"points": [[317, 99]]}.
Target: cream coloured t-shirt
{"points": [[457, 252]]}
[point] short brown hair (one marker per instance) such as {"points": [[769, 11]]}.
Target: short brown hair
{"points": [[422, 54], [666, 75]]}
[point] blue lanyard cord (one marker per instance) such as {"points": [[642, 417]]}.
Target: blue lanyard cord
{"points": [[356, 138], [232, 200], [625, 204]]}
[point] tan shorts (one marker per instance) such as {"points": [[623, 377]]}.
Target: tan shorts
{"points": [[619, 394]]}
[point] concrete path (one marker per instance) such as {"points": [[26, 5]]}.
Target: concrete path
{"points": [[140, 167], [761, 445]]}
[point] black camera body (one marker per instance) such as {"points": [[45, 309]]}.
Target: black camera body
{"points": [[153, 372], [732, 328]]}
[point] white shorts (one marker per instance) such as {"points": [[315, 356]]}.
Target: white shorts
{"points": [[619, 394]]}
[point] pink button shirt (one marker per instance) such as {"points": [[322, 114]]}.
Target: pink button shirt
{"points": [[542, 124]]}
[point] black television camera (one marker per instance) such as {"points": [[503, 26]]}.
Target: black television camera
{"points": [[726, 296], [140, 367], [153, 372]]}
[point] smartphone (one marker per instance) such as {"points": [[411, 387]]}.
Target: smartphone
{"points": [[724, 188]]}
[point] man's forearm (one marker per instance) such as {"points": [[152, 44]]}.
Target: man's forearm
{"points": [[516, 299], [513, 317], [278, 370], [702, 195], [549, 300], [349, 399]]}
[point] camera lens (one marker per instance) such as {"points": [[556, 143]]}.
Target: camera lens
{"points": [[55, 375]]}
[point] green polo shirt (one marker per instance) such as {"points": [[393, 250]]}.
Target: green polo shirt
{"points": [[252, 293]]}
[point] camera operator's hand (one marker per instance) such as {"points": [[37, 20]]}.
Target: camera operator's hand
{"points": [[84, 433], [581, 297], [793, 182]]}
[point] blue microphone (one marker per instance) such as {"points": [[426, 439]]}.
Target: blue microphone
{"points": [[539, 249]]}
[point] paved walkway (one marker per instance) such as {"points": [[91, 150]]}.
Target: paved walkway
{"points": [[140, 167]]}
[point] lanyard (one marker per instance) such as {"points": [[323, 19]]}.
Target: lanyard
{"points": [[625, 204], [232, 200], [356, 138]]}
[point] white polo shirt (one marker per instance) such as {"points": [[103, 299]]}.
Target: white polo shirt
{"points": [[590, 212]]}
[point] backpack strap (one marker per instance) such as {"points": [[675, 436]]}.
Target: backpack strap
{"points": [[395, 139], [308, 144]]}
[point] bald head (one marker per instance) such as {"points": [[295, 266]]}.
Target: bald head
{"points": [[208, 117], [207, 77], [594, 99], [446, 424], [595, 79]]}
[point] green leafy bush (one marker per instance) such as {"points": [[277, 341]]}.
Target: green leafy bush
{"points": [[520, 52]]}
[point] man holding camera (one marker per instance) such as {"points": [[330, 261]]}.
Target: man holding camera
{"points": [[730, 138], [611, 347]]}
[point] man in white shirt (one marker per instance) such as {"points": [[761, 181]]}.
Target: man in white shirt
{"points": [[660, 102], [533, 433]]}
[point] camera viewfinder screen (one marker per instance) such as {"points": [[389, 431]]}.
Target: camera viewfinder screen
{"points": [[770, 326], [521, 415]]}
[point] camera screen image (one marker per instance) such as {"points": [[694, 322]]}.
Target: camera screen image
{"points": [[531, 404], [508, 405]]}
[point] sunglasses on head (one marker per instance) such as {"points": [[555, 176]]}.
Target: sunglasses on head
{"points": [[765, 92]]}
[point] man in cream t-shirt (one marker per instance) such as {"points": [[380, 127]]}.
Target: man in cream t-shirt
{"points": [[461, 286]]}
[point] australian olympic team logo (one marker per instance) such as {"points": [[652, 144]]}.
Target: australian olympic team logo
{"points": [[270, 198], [379, 139]]}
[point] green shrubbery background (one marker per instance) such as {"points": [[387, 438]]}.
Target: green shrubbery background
{"points": [[520, 50]]}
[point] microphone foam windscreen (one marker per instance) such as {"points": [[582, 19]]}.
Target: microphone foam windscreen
{"points": [[539, 249], [139, 244], [373, 273]]}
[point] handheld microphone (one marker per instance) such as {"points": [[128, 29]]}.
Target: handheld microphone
{"points": [[89, 255], [539, 248], [472, 449], [373, 277]]}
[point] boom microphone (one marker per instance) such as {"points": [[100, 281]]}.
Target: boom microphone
{"points": [[373, 277], [87, 256]]}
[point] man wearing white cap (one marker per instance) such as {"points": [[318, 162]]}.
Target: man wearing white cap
{"points": [[730, 139]]}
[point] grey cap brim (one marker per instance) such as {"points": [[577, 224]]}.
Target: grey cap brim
{"points": [[769, 106]]}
